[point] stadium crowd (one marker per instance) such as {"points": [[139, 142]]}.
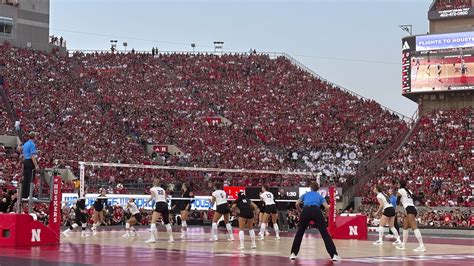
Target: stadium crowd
{"points": [[437, 159], [107, 107], [452, 4]]}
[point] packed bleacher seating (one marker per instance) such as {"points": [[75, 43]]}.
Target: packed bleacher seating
{"points": [[437, 160], [105, 107], [452, 4]]}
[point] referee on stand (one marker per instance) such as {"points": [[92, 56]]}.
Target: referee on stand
{"points": [[312, 201], [30, 164]]}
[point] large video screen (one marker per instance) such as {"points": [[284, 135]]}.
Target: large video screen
{"points": [[438, 62]]}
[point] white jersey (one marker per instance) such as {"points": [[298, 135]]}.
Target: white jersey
{"points": [[385, 203], [221, 196], [132, 208], [268, 198], [406, 199], [158, 194]]}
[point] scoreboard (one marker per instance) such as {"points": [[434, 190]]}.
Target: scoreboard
{"points": [[441, 62]]}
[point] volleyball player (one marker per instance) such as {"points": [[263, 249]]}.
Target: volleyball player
{"points": [[80, 218], [388, 216], [185, 206], [219, 197], [312, 202], [246, 218], [135, 218], [270, 210], [405, 197], [98, 216], [161, 207], [261, 207]]}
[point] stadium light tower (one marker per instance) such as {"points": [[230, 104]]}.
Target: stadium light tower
{"points": [[218, 46], [193, 45], [113, 45], [125, 44], [407, 28]]}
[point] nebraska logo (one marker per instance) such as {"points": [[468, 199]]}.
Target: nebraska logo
{"points": [[35, 235], [353, 230]]}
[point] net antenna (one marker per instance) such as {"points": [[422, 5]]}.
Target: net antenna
{"points": [[82, 166]]}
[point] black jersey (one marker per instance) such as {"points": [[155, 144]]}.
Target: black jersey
{"points": [[183, 203], [80, 206], [243, 204], [99, 203]]}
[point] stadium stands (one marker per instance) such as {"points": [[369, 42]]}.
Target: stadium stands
{"points": [[437, 159], [452, 4]]}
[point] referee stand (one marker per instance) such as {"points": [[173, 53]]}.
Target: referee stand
{"points": [[18, 229]]}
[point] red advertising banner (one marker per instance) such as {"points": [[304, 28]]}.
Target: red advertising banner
{"points": [[233, 191]]}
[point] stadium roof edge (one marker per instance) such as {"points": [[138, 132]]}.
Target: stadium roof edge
{"points": [[271, 55]]}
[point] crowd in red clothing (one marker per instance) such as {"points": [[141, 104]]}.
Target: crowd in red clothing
{"points": [[452, 4], [106, 107], [437, 160]]}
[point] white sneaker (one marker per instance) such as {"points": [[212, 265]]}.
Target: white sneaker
{"points": [[134, 233], [336, 258], [401, 247], [182, 236], [171, 240], [84, 234], [214, 238], [231, 238], [390, 236], [377, 243], [292, 256], [261, 238], [253, 246], [267, 233], [126, 234], [94, 232], [398, 242], [420, 249], [151, 240], [278, 237], [241, 247]]}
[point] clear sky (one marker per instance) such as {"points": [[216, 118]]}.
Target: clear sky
{"points": [[353, 43]]}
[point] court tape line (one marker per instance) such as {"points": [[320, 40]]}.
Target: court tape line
{"points": [[412, 258]]}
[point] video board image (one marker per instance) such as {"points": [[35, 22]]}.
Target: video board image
{"points": [[441, 70]]}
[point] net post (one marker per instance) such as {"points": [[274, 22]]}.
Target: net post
{"points": [[81, 178], [332, 210]]}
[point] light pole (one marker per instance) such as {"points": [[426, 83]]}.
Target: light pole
{"points": [[113, 45], [218, 45], [125, 46], [193, 45], [407, 28]]}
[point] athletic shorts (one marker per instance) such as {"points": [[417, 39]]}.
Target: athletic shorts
{"points": [[271, 209], [138, 217], [246, 213], [98, 208], [411, 210], [162, 207], [80, 218], [389, 212], [182, 207], [223, 208]]}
